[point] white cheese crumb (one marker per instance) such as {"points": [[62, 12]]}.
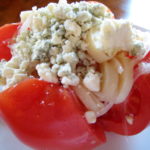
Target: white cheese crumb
{"points": [[84, 16], [90, 117], [64, 70], [129, 119], [56, 39], [60, 12], [55, 68], [92, 81], [70, 80], [143, 68], [45, 73], [54, 51], [70, 57], [67, 47], [59, 58], [72, 28], [113, 36], [62, 2], [118, 34]]}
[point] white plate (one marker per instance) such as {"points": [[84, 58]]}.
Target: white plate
{"points": [[114, 142]]}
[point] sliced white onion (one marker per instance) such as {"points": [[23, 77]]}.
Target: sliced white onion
{"points": [[105, 109], [94, 45], [110, 81], [86, 98], [92, 100], [117, 81], [125, 78], [117, 65]]}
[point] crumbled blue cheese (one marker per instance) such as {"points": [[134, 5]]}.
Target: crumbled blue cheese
{"points": [[64, 70], [56, 39], [72, 79], [13, 71], [67, 47], [92, 81], [72, 28], [70, 58], [54, 36], [52, 42], [55, 68], [45, 73], [90, 117], [84, 16]]}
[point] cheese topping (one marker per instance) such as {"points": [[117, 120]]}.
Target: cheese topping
{"points": [[112, 36]]}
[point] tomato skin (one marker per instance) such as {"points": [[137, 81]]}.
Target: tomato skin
{"points": [[6, 34], [48, 116]]}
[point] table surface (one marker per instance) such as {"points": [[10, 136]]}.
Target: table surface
{"points": [[136, 11]]}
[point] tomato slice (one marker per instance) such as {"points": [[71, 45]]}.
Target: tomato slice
{"points": [[136, 107], [6, 34], [47, 116]]}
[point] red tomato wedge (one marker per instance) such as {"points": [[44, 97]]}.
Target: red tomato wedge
{"points": [[48, 116], [136, 106], [6, 34]]}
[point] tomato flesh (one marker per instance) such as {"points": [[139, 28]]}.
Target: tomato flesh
{"points": [[6, 34], [48, 116]]}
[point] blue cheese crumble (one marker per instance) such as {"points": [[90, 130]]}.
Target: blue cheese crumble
{"points": [[65, 41], [53, 40], [61, 42]]}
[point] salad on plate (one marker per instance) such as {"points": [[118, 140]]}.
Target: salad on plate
{"points": [[69, 73]]}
